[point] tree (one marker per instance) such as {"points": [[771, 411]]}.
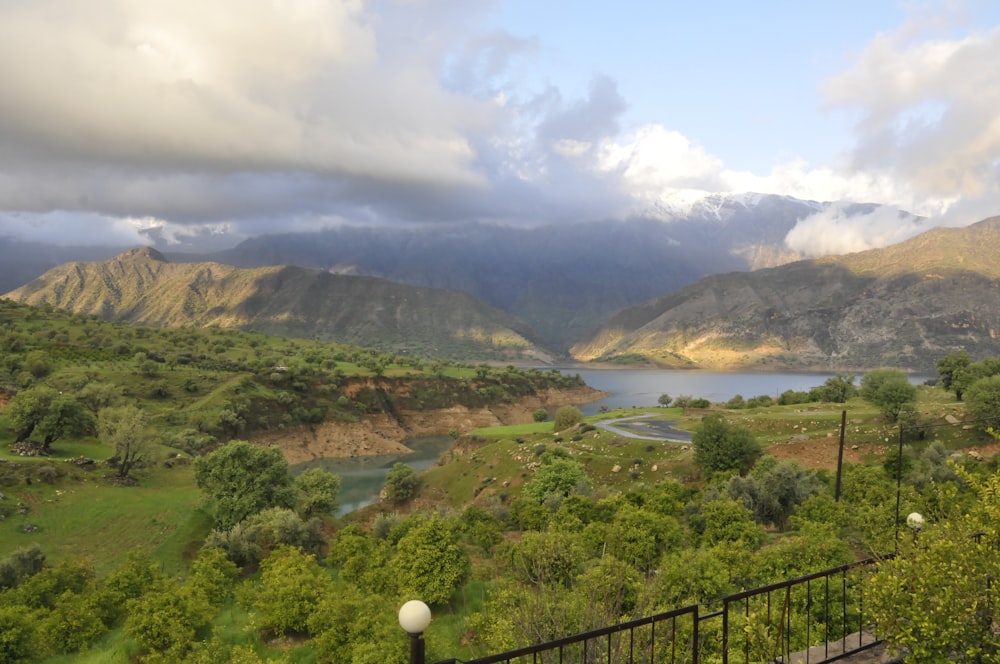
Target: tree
{"points": [[540, 415], [292, 585], [241, 479], [430, 561], [252, 539], [567, 416], [933, 599], [722, 446], [949, 365], [889, 390], [126, 428], [50, 414], [837, 389], [664, 400], [402, 483], [318, 490], [557, 476], [166, 620], [983, 399]]}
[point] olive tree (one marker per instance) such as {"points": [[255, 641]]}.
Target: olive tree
{"points": [[889, 390], [126, 428], [722, 446], [567, 416], [242, 479]]}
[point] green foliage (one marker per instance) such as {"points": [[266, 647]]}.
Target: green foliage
{"points": [[213, 575], [722, 446], [19, 640], [949, 365], [402, 483], [167, 619], [251, 540], [889, 390], [318, 492], [728, 520], [983, 399], [292, 584], [126, 429], [20, 565], [932, 600], [362, 560], [242, 479], [836, 389], [557, 477], [566, 417], [664, 400], [546, 558], [540, 415], [774, 489], [430, 562], [43, 412]]}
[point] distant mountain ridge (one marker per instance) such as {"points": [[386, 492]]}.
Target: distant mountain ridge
{"points": [[904, 306], [141, 286], [564, 280]]}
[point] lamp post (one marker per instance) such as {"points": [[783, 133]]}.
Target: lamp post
{"points": [[414, 617]]}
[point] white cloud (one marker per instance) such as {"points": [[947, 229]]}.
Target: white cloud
{"points": [[840, 230]]}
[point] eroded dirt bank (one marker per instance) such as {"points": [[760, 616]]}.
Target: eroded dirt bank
{"points": [[382, 433]]}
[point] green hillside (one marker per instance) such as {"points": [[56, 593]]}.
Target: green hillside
{"points": [[143, 288]]}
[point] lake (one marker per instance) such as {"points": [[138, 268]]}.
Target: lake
{"points": [[642, 388], [362, 478]]}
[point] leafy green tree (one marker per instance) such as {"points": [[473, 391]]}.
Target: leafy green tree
{"points": [[21, 564], [540, 415], [557, 476], [167, 620], [949, 365], [402, 483], [252, 539], [47, 413], [361, 628], [983, 399], [318, 491], [728, 520], [362, 560], [933, 598], [19, 640], [214, 575], [430, 561], [837, 389], [546, 558], [241, 479], [664, 400], [292, 585], [889, 390], [126, 428], [774, 489], [566, 417], [722, 446], [74, 621]]}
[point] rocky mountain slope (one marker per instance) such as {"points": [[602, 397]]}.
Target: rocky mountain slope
{"points": [[141, 286], [563, 279], [904, 306]]}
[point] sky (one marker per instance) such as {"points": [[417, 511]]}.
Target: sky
{"points": [[200, 124]]}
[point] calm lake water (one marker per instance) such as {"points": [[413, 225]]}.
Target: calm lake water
{"points": [[641, 388], [362, 478]]}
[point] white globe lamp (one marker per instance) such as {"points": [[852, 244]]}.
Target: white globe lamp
{"points": [[414, 617]]}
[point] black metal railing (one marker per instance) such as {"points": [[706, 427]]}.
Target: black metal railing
{"points": [[817, 618]]}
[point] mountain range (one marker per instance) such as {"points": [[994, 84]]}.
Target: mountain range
{"points": [[141, 286], [715, 286]]}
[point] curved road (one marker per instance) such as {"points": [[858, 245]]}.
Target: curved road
{"points": [[636, 427]]}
